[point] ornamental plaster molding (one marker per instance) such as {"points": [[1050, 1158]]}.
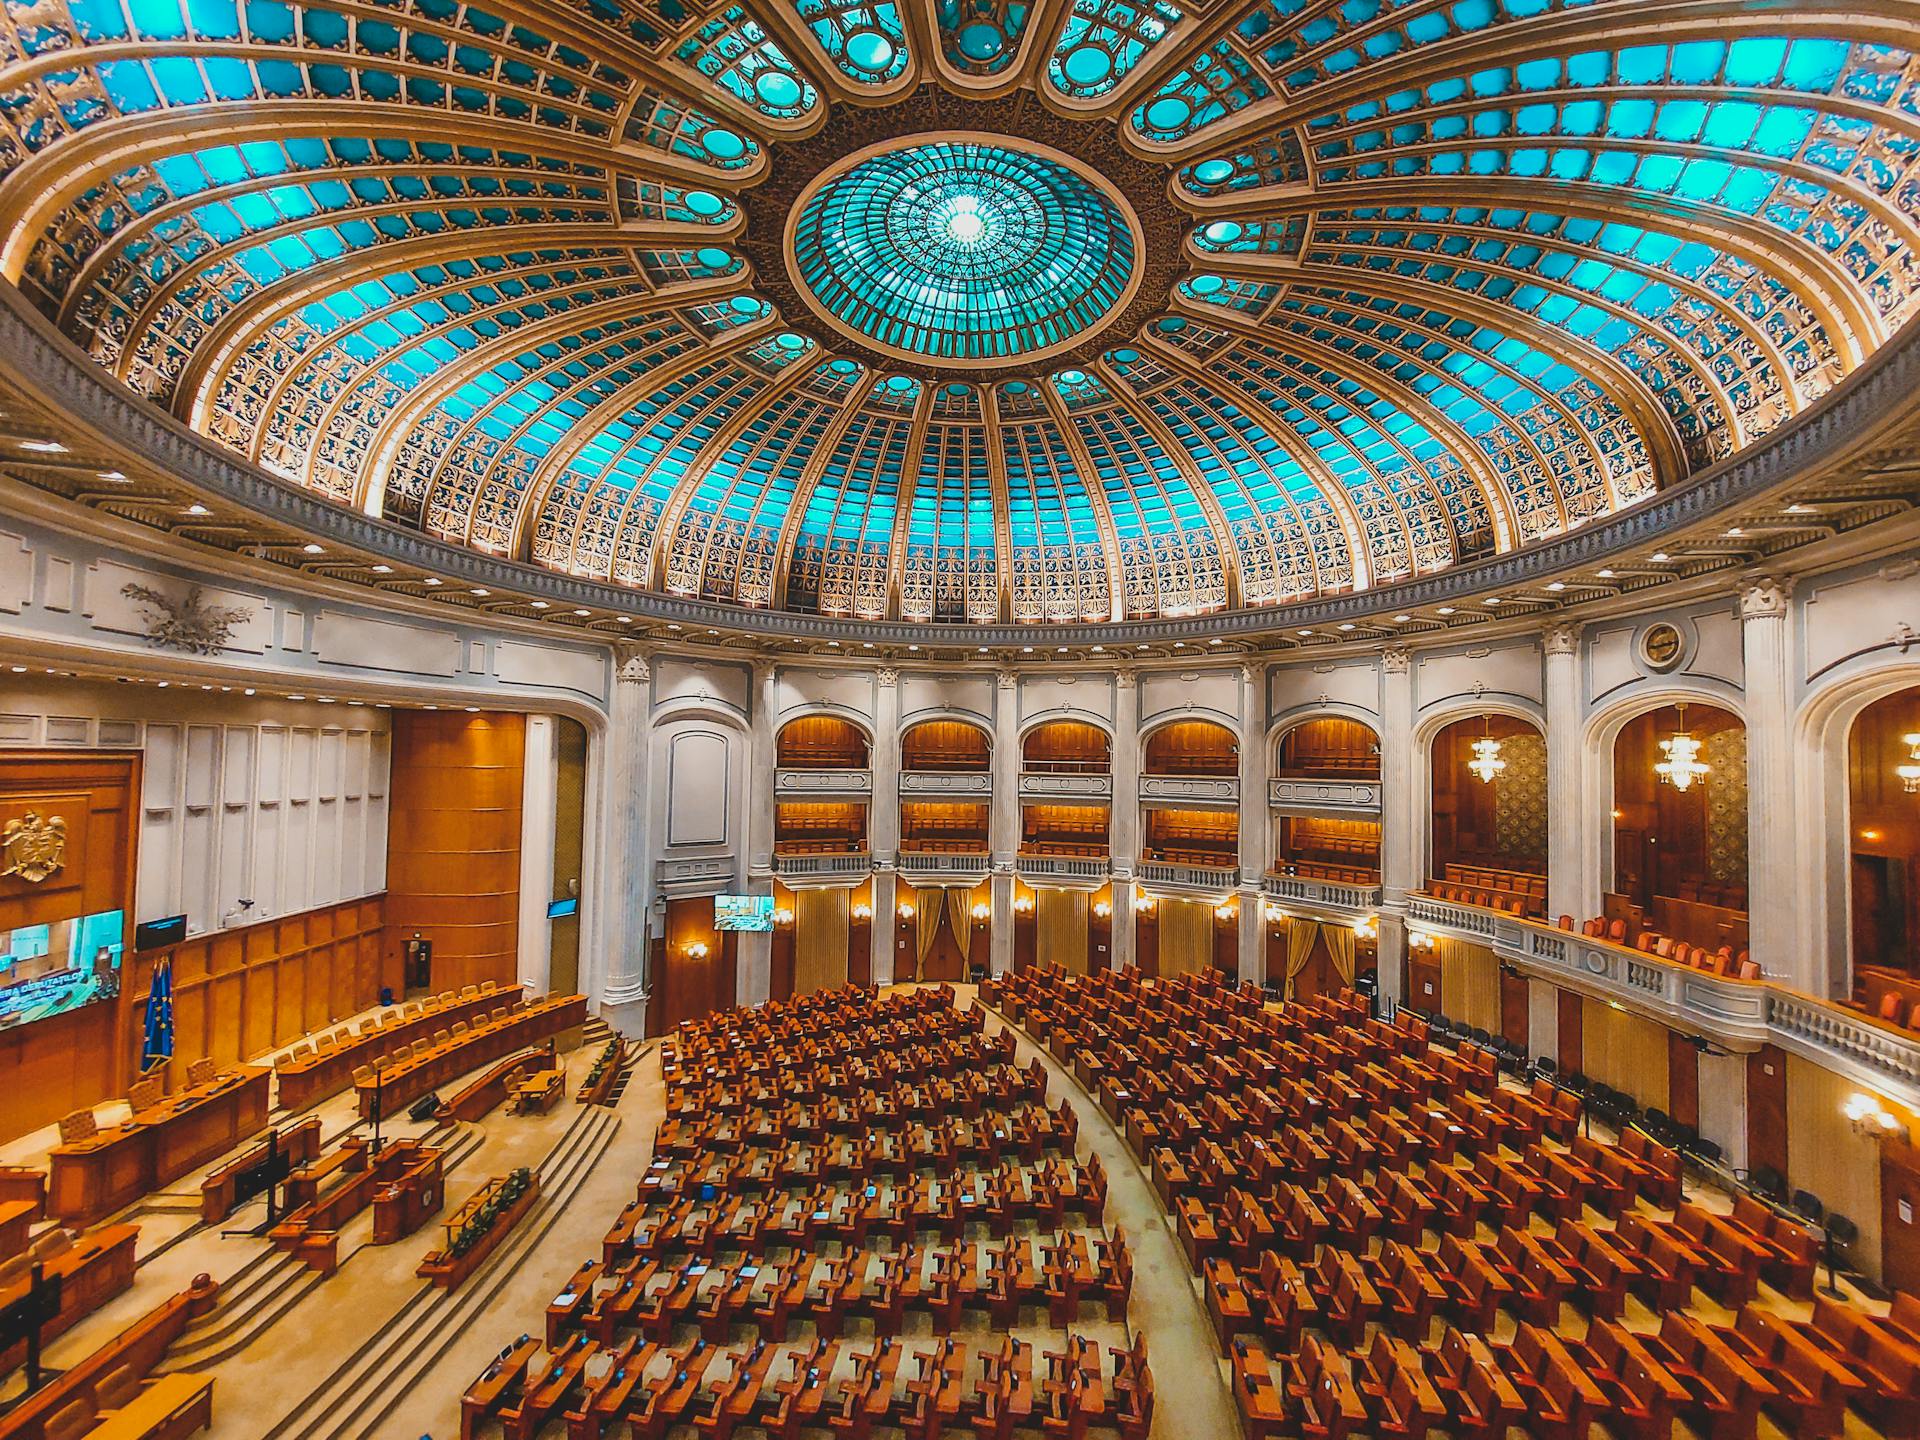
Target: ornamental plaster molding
{"points": [[634, 669], [1561, 639], [1764, 597], [1395, 661]]}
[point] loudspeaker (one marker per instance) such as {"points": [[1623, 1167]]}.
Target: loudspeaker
{"points": [[425, 1108]]}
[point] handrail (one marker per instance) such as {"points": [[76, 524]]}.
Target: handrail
{"points": [[1738, 1014]]}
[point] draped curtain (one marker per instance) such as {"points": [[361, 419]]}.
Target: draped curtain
{"points": [[960, 917], [1186, 936], [1341, 942], [927, 902], [821, 931], [1469, 983], [1060, 928], [1300, 937]]}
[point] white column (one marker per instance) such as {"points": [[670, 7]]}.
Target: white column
{"points": [[1400, 810], [1003, 823], [1124, 948], [1389, 962], [1723, 1106], [539, 780], [1543, 1020], [1123, 820], [883, 821], [1254, 823], [1568, 883], [1773, 836], [625, 868], [753, 973]]}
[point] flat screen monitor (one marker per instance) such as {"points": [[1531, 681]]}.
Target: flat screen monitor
{"points": [[560, 909], [743, 912], [59, 966], [158, 934]]}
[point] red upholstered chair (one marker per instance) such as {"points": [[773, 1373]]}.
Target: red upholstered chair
{"points": [[1617, 930], [1566, 922], [1892, 1008], [1748, 970]]}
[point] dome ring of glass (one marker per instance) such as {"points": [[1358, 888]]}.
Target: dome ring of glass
{"points": [[970, 249]]}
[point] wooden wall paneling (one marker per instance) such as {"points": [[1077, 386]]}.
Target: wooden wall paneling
{"points": [[1423, 981], [1900, 1216], [1683, 1079], [1515, 1007], [1767, 1109], [1572, 1026], [860, 936], [1825, 1156], [453, 853]]}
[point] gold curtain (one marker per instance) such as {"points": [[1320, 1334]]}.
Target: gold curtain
{"points": [[1340, 945], [820, 936], [1186, 937], [1060, 928], [1624, 1050], [1469, 983], [960, 917], [926, 922], [1300, 937]]}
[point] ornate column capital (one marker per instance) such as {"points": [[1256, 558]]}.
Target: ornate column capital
{"points": [[1125, 679], [1396, 659], [1007, 679], [888, 677], [1764, 597], [632, 668], [1561, 639]]}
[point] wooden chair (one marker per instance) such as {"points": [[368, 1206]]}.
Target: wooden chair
{"points": [[201, 1071], [78, 1126], [145, 1094]]}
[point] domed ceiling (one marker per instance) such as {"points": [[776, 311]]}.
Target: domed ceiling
{"points": [[970, 310]]}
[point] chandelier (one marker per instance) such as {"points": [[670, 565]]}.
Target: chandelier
{"points": [[1909, 771], [1486, 762], [1682, 765]]}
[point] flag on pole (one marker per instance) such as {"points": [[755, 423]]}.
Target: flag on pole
{"points": [[159, 1043]]}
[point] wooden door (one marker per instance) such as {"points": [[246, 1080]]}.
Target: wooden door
{"points": [[1900, 1216]]}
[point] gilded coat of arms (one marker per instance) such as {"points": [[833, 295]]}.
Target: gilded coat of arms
{"points": [[33, 846]]}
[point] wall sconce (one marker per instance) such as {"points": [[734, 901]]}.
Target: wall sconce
{"points": [[1366, 927], [1870, 1118], [697, 950], [1419, 940], [981, 912], [1143, 903], [863, 911], [1224, 912], [906, 910], [1909, 770], [783, 916], [1023, 905], [1275, 914], [1102, 909]]}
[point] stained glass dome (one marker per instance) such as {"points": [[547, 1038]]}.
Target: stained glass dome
{"points": [[970, 310]]}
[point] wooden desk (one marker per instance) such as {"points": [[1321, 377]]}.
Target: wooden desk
{"points": [[312, 1078], [98, 1267], [16, 1218], [407, 1081], [169, 1408], [157, 1146]]}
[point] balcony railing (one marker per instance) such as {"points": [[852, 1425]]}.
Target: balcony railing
{"points": [[814, 867], [1741, 1014], [1213, 879], [1063, 867], [1325, 894], [1331, 797], [946, 864], [1201, 790], [915, 783], [1060, 785], [823, 783]]}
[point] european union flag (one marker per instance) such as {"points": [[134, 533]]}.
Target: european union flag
{"points": [[159, 1043]]}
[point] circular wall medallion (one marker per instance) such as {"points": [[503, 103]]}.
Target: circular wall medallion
{"points": [[1662, 646], [966, 248]]}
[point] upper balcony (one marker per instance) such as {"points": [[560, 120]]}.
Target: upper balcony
{"points": [[945, 758], [823, 841], [1066, 760], [1191, 765], [1190, 849], [1327, 766], [821, 757], [943, 841]]}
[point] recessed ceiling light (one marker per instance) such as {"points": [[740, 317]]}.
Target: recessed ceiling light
{"points": [[1606, 574], [866, 644], [1346, 624], [1098, 649], [1798, 509], [1401, 619], [198, 509], [1491, 600], [983, 649], [673, 627], [246, 692], [1556, 586], [540, 605], [296, 697], [626, 619], [1659, 557], [43, 447], [473, 709], [481, 591], [1215, 641], [583, 612], [432, 580], [311, 549], [1446, 610], [1303, 632], [1735, 532], [913, 647], [114, 475], [713, 632], [1026, 649], [383, 569], [1179, 644]]}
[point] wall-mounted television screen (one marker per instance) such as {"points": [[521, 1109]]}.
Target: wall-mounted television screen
{"points": [[560, 909], [53, 968], [743, 912]]}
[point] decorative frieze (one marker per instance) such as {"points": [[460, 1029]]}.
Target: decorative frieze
{"points": [[1337, 797]]}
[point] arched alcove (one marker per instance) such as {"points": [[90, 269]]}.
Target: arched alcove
{"points": [[1067, 747], [1489, 808], [1680, 834], [822, 742], [947, 747], [1883, 854], [1192, 747], [1328, 747]]}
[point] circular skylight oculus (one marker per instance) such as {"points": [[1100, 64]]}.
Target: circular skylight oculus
{"points": [[972, 250]]}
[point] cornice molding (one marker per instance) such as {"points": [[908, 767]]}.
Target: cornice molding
{"points": [[1857, 420]]}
